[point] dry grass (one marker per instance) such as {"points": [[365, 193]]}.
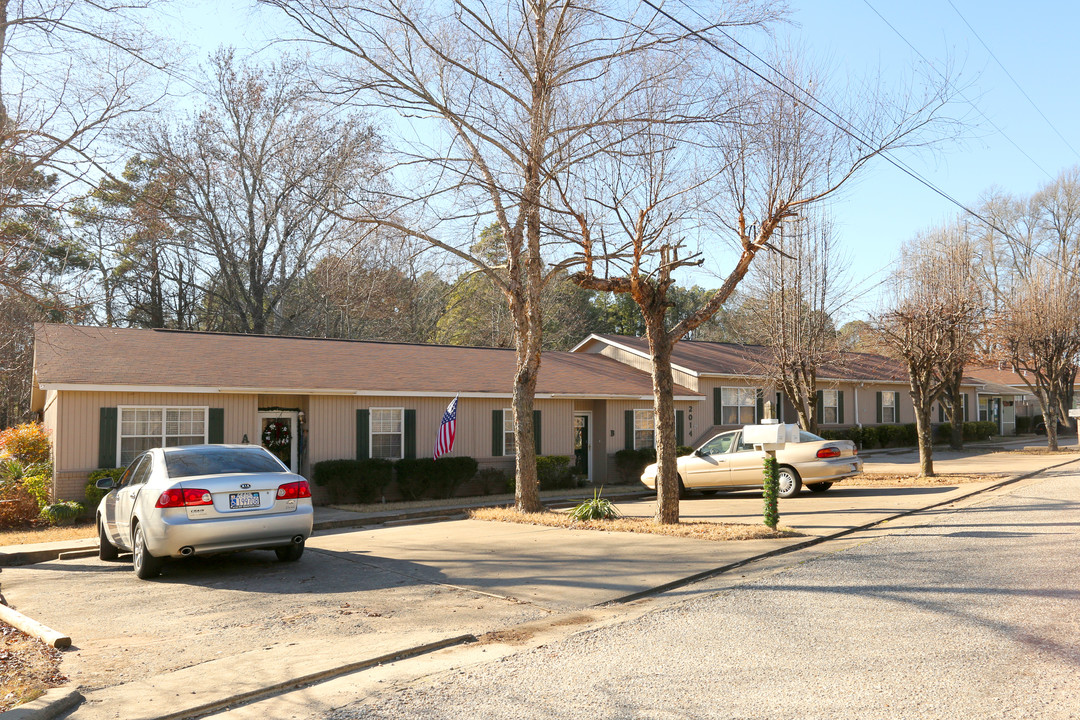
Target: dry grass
{"points": [[699, 530], [583, 493], [47, 533], [28, 667], [1044, 451], [883, 480]]}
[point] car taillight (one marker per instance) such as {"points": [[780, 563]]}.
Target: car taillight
{"points": [[183, 497], [293, 490], [828, 452]]}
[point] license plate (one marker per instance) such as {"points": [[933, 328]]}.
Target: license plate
{"points": [[239, 501]]}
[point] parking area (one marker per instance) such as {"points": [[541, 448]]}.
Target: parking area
{"points": [[369, 592]]}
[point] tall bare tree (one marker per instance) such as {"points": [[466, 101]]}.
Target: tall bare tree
{"points": [[502, 98], [932, 324]]}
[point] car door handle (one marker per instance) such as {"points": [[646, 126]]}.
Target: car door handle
{"points": [[132, 494]]}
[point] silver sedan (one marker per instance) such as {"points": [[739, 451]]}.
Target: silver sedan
{"points": [[200, 499]]}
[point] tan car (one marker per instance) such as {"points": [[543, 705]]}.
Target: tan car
{"points": [[725, 463]]}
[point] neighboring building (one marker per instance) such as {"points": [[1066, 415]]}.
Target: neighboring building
{"points": [[860, 389], [107, 394], [1004, 396]]}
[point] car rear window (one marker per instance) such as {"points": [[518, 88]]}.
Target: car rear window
{"points": [[220, 461], [808, 437]]}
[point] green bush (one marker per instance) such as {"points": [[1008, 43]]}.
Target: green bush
{"points": [[684, 450], [907, 435], [979, 430], [833, 434], [353, 481], [65, 512], [93, 492], [35, 479], [555, 472], [629, 464], [414, 476], [870, 437], [491, 481], [1023, 425], [596, 509], [449, 474]]}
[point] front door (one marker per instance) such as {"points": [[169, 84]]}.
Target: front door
{"points": [[995, 413], [278, 435], [582, 441]]}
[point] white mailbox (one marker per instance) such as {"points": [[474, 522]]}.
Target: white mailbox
{"points": [[770, 436]]}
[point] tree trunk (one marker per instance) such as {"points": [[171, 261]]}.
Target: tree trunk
{"points": [[956, 418], [926, 441], [667, 477]]}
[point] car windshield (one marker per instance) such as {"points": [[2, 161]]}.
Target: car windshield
{"points": [[220, 461], [718, 445]]}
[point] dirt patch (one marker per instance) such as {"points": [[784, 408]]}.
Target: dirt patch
{"points": [[699, 530], [28, 667], [885, 480], [513, 636], [47, 533]]}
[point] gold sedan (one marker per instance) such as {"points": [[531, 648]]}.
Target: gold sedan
{"points": [[725, 462]]}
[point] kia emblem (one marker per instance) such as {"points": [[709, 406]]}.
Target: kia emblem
{"points": [[245, 486]]}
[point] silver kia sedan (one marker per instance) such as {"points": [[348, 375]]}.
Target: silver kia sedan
{"points": [[201, 499]]}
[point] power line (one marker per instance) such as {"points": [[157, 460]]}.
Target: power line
{"points": [[1006, 71], [966, 99]]}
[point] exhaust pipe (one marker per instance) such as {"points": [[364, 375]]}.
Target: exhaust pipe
{"points": [[298, 539], [187, 551]]}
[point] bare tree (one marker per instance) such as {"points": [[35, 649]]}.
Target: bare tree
{"points": [[932, 324], [263, 176], [502, 98]]}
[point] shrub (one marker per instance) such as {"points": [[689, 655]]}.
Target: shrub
{"points": [[28, 443], [491, 481], [596, 509], [979, 430], [17, 506], [65, 512], [555, 472], [449, 473], [35, 479], [870, 437], [684, 450], [906, 435], [630, 463], [414, 476], [353, 481], [833, 434], [1023, 425], [92, 492]]}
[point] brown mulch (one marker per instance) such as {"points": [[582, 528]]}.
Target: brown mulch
{"points": [[47, 533], [699, 530], [28, 667], [886, 480]]}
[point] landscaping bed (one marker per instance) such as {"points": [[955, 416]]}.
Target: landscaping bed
{"points": [[890, 480], [28, 667]]}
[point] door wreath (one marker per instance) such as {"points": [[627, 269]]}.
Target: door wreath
{"points": [[276, 435]]}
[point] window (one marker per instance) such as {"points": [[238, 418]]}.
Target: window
{"points": [[508, 432], [719, 444], [888, 407], [387, 433], [830, 407], [220, 461], [644, 429], [738, 406], [145, 428]]}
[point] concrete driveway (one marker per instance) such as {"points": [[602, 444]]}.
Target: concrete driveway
{"points": [[212, 628]]}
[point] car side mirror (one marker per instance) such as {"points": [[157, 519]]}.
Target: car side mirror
{"points": [[105, 483], [701, 453]]}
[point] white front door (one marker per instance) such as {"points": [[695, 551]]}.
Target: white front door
{"points": [[278, 430]]}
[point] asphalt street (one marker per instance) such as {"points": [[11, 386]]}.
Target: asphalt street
{"points": [[975, 614]]}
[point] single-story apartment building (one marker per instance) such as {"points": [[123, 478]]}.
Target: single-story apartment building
{"points": [[1004, 396], [107, 394]]}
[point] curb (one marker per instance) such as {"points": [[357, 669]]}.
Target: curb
{"points": [[706, 574], [52, 704]]}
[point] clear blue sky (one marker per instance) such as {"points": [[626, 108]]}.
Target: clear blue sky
{"points": [[1035, 41]]}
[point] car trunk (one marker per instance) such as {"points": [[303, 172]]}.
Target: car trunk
{"points": [[241, 494]]}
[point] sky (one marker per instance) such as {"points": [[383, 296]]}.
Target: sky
{"points": [[1022, 113]]}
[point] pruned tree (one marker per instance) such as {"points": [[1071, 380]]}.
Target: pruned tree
{"points": [[932, 323], [263, 177], [501, 99]]}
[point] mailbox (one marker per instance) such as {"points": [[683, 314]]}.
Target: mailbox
{"points": [[771, 436]]}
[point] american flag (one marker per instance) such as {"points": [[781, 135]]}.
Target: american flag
{"points": [[444, 442]]}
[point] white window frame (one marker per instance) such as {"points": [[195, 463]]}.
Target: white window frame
{"points": [[508, 448], [754, 393], [835, 406], [891, 395], [651, 414], [163, 409], [372, 433]]}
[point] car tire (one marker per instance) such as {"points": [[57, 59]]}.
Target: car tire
{"points": [[788, 482], [146, 566], [290, 553], [818, 487], [106, 550]]}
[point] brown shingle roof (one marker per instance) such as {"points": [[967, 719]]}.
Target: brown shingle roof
{"points": [[714, 358], [76, 355]]}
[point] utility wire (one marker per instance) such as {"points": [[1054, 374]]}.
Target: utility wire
{"points": [[966, 99], [1006, 71], [850, 130]]}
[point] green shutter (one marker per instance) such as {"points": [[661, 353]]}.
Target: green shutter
{"points": [[840, 406], [215, 431], [759, 410], [940, 411], [496, 433], [879, 407], [628, 441], [536, 431], [409, 450], [362, 419], [896, 407], [963, 402], [717, 407], [679, 427], [820, 406], [107, 438]]}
